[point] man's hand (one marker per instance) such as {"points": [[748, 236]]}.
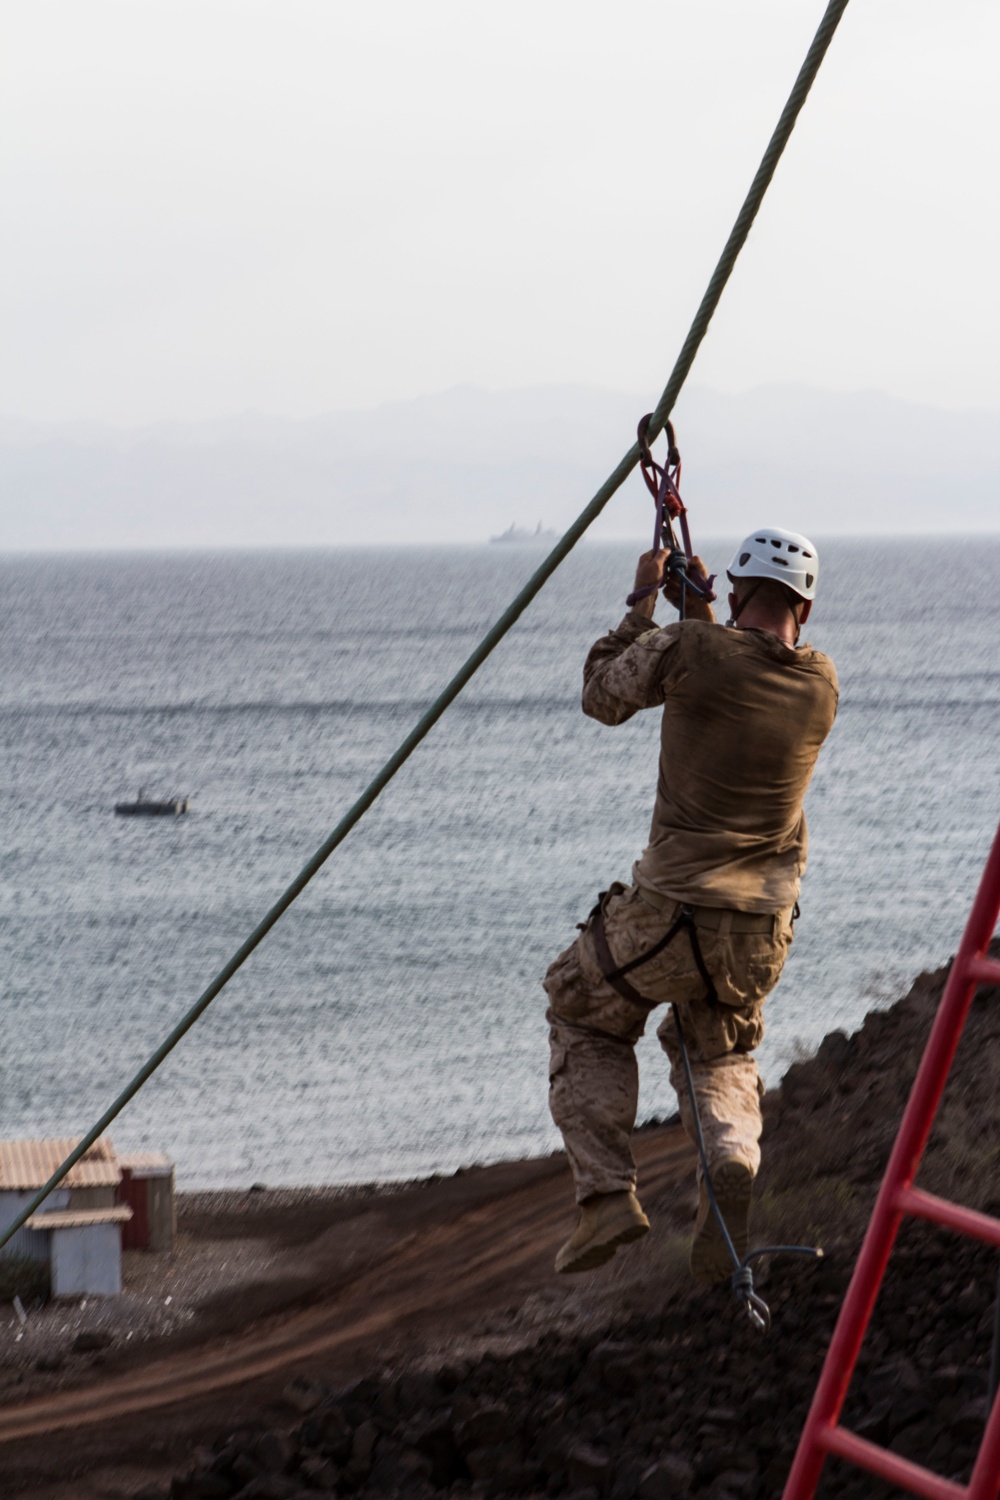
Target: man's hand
{"points": [[696, 608], [649, 571]]}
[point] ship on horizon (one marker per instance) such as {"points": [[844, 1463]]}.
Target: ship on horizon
{"points": [[153, 807], [522, 534]]}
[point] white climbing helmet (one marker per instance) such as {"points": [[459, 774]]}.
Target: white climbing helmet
{"points": [[773, 552]]}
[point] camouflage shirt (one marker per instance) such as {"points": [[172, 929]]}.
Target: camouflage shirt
{"points": [[744, 717]]}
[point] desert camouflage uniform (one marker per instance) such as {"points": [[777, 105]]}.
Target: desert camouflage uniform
{"points": [[593, 1077], [743, 875]]}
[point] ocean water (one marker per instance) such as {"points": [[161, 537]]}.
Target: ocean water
{"points": [[392, 1024]]}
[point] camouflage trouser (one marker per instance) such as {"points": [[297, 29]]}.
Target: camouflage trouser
{"points": [[593, 1077]]}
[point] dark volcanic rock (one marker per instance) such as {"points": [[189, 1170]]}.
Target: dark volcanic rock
{"points": [[683, 1397], [274, 1452], [485, 1427], [91, 1343], [588, 1467], [668, 1476]]}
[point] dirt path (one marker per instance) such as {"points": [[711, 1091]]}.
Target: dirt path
{"points": [[480, 1242]]}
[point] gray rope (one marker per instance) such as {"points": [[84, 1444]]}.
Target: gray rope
{"points": [[744, 220], [750, 1300], [536, 582]]}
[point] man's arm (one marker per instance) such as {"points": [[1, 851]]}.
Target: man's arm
{"points": [[629, 669], [620, 677]]}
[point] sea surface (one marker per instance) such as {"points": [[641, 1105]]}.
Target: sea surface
{"points": [[392, 1023]]}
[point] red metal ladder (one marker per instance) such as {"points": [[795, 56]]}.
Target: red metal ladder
{"points": [[822, 1436]]}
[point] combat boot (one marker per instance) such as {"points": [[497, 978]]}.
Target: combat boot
{"points": [[732, 1181], [606, 1221]]}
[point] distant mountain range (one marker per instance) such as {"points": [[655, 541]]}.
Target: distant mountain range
{"points": [[469, 463]]}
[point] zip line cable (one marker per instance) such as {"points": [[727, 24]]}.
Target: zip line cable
{"points": [[807, 74]]}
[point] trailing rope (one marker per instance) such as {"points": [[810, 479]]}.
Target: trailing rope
{"points": [[750, 1300], [515, 609]]}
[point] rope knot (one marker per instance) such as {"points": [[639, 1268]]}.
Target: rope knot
{"points": [[743, 1281]]}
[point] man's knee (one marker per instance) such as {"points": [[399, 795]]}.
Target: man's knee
{"points": [[710, 1031], [561, 1107], [593, 1094], [580, 997], [727, 1098]]}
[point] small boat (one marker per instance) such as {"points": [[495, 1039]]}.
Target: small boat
{"points": [[149, 807]]}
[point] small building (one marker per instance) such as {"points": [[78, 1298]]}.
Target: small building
{"points": [[78, 1227], [147, 1187], [83, 1248]]}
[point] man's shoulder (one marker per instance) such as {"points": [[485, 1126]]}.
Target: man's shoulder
{"points": [[704, 643], [690, 644], [818, 662], [686, 632], [803, 658], [659, 637]]}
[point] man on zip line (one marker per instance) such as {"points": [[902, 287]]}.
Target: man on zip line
{"points": [[745, 712]]}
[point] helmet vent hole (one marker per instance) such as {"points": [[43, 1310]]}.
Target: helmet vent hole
{"points": [[744, 559], [792, 547], [810, 580], [761, 539], [775, 544], [805, 553], [782, 560]]}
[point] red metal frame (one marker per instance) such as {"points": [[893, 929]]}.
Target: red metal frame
{"points": [[135, 1192], [897, 1196]]}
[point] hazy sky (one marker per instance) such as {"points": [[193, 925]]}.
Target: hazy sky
{"points": [[211, 205]]}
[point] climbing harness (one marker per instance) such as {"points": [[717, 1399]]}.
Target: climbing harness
{"points": [[727, 260], [663, 483], [615, 976], [742, 1281]]}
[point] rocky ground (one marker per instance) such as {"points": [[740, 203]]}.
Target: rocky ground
{"points": [[682, 1402], [632, 1385], [690, 1399]]}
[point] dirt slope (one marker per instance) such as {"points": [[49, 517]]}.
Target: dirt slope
{"points": [[450, 1357]]}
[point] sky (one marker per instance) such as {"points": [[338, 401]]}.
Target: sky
{"points": [[214, 206]]}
